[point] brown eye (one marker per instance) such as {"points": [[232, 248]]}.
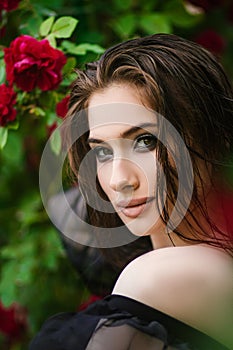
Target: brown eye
{"points": [[145, 143]]}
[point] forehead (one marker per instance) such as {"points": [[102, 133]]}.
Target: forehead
{"points": [[119, 106]]}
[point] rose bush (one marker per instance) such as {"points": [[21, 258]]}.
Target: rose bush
{"points": [[7, 101], [37, 61], [32, 63]]}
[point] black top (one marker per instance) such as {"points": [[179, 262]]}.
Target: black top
{"points": [[120, 323]]}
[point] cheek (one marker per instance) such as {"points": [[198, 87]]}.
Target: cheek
{"points": [[147, 166], [104, 176]]}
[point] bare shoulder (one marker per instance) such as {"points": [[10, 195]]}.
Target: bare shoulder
{"points": [[193, 284], [178, 266]]}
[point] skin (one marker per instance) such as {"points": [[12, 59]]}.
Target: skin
{"points": [[192, 283], [126, 158], [127, 164]]}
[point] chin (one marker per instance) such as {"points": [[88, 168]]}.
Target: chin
{"points": [[139, 227]]}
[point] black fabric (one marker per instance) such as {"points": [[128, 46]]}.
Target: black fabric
{"points": [[119, 323]]}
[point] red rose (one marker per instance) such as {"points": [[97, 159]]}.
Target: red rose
{"points": [[9, 5], [31, 63], [211, 41], [7, 100], [13, 320], [62, 107]]}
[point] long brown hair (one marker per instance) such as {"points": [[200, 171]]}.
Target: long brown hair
{"points": [[184, 83]]}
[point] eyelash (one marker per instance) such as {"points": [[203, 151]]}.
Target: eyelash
{"points": [[105, 157], [108, 153], [146, 148]]}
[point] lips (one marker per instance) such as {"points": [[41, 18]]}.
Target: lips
{"points": [[133, 208]]}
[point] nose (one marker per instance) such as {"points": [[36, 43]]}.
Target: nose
{"points": [[124, 176]]}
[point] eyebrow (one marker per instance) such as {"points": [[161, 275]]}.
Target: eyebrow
{"points": [[126, 133]]}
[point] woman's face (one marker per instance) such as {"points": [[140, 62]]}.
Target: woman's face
{"points": [[122, 137]]}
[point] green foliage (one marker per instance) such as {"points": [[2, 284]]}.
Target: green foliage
{"points": [[2, 71], [81, 49], [64, 27], [46, 26], [34, 268], [125, 25], [3, 137], [156, 23]]}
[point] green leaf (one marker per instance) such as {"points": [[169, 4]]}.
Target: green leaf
{"points": [[13, 125], [39, 112], [81, 49], [46, 26], [68, 79], [155, 23], [90, 47], [125, 25], [8, 290], [52, 40], [55, 141], [67, 45], [21, 97], [77, 50], [3, 137], [2, 72], [69, 66], [64, 27], [25, 271], [72, 48], [51, 117]]}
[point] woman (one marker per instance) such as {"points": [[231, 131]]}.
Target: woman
{"points": [[156, 116]]}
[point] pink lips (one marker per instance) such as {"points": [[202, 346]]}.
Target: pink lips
{"points": [[133, 208]]}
